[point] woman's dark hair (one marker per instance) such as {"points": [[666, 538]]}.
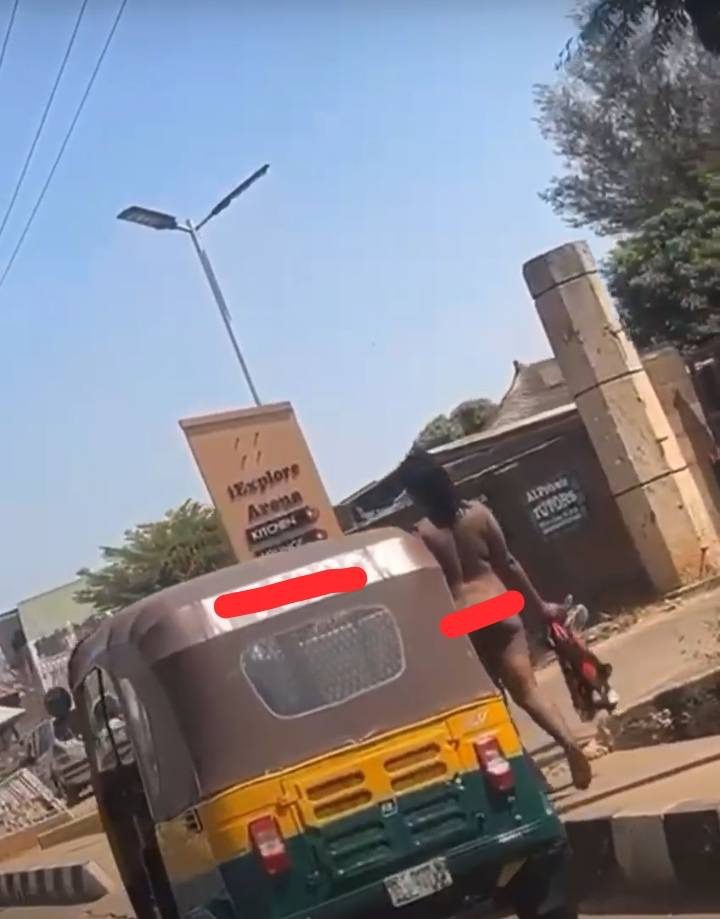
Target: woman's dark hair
{"points": [[428, 483]]}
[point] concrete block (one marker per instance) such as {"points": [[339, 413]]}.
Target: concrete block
{"points": [[87, 825], [21, 840], [558, 266], [642, 851], [695, 507], [659, 500], [594, 863], [584, 330], [666, 367], [587, 338], [670, 530], [62, 885], [692, 830], [630, 433]]}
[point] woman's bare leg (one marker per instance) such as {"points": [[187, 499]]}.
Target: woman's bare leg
{"points": [[512, 663]]}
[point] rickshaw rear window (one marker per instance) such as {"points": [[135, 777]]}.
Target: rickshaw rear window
{"points": [[325, 662]]}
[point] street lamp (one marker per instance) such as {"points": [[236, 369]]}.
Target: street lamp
{"points": [[157, 220]]}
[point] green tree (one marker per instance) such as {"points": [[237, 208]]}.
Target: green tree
{"points": [[441, 430], [467, 418], [474, 415], [666, 277], [616, 22], [187, 542], [630, 130]]}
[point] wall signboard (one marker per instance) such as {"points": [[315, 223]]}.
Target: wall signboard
{"points": [[557, 505], [262, 479]]}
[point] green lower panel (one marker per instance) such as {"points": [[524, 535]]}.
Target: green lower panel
{"points": [[337, 871]]}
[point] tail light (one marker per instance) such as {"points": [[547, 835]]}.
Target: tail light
{"points": [[497, 769], [269, 845]]}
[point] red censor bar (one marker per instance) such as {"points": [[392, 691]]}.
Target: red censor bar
{"points": [[293, 590], [480, 615]]}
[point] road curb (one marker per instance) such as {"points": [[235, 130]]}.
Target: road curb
{"points": [[61, 885], [88, 825], [21, 840], [671, 851], [565, 809], [702, 586]]}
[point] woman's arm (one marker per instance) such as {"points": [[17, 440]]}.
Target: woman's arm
{"points": [[511, 572]]}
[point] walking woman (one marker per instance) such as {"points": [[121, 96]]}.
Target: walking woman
{"points": [[470, 547]]}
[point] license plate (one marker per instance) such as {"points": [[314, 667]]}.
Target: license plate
{"points": [[418, 882]]}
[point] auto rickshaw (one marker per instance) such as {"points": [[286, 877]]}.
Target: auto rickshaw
{"points": [[332, 759]]}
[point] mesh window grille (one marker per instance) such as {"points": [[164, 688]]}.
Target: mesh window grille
{"points": [[325, 662]]}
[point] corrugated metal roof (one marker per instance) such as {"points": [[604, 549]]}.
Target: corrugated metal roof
{"points": [[492, 433], [537, 394], [535, 389]]}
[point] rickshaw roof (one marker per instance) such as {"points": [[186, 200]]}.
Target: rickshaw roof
{"points": [[183, 615]]}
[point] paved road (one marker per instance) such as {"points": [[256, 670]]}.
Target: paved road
{"points": [[92, 848], [116, 905], [670, 646]]}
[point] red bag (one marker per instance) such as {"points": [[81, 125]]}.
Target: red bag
{"points": [[586, 676]]}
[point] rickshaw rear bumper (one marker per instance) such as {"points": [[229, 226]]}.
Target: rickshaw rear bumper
{"points": [[476, 884]]}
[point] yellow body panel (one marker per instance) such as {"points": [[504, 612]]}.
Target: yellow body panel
{"points": [[185, 850], [337, 784]]}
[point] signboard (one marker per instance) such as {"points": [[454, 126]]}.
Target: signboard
{"points": [[556, 505], [262, 479]]}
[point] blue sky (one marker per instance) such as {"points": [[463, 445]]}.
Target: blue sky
{"points": [[374, 275]]}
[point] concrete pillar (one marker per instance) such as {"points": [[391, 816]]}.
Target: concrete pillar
{"points": [[647, 473]]}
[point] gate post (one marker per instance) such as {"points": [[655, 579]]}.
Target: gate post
{"points": [[649, 479]]}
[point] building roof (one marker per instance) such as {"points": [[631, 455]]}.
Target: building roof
{"points": [[537, 395], [535, 389], [496, 433]]}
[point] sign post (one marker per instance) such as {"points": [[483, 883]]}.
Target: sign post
{"points": [[262, 479]]}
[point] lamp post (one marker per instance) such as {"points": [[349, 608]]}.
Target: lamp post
{"points": [[157, 220]]}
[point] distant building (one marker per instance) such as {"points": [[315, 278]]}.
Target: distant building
{"points": [[537, 402], [535, 466], [53, 622]]}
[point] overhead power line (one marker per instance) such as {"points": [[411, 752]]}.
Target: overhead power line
{"points": [[41, 125], [66, 140], [8, 31]]}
